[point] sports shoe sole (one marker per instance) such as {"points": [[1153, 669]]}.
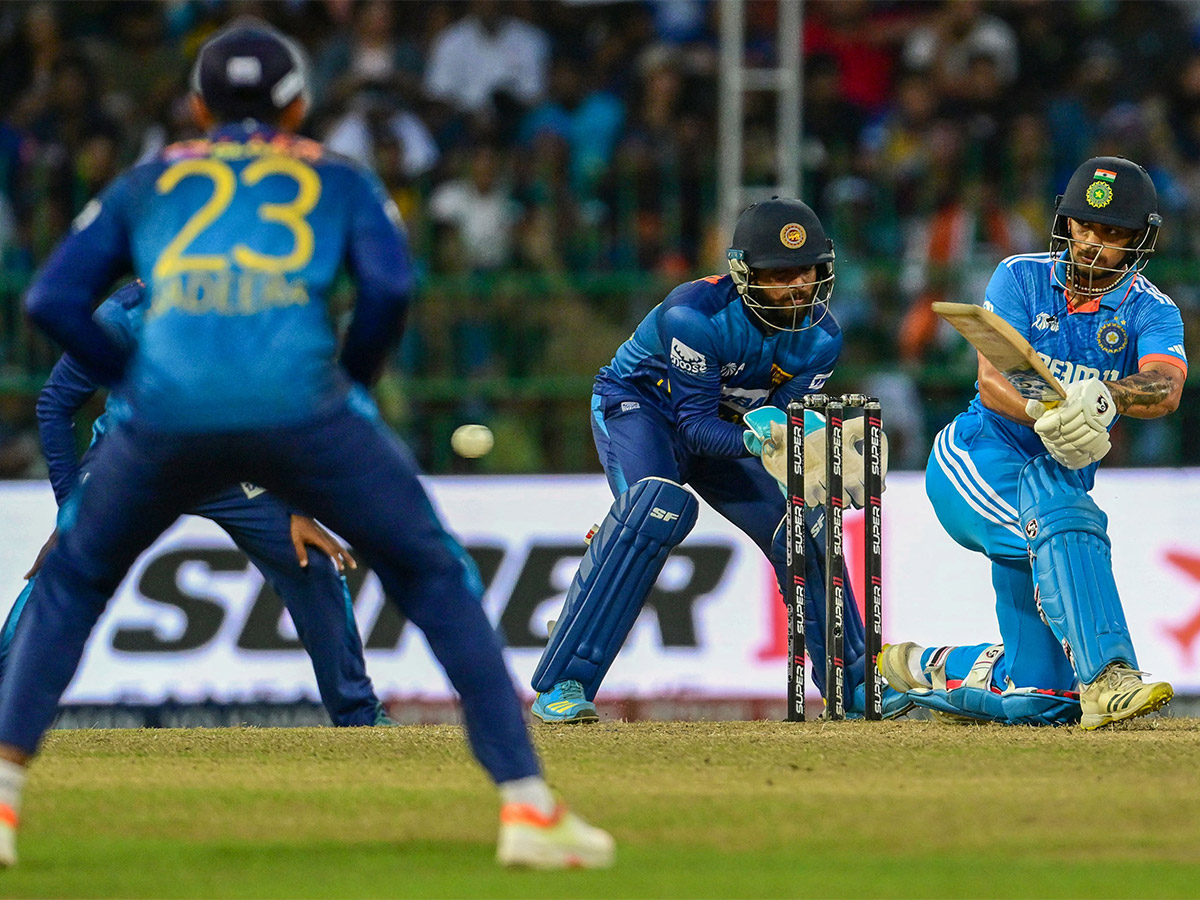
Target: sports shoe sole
{"points": [[581, 718], [1160, 696]]}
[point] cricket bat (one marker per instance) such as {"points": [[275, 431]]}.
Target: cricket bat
{"points": [[1004, 348]]}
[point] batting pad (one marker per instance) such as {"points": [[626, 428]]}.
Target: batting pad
{"points": [[1072, 567], [622, 563]]}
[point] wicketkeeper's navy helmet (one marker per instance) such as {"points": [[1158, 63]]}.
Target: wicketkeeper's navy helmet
{"points": [[781, 234], [249, 70], [1108, 190]]}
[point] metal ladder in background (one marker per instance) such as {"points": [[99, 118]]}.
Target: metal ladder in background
{"points": [[734, 80]]}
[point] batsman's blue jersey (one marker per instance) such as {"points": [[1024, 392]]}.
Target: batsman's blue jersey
{"points": [[236, 334], [974, 470], [700, 360], [1109, 338]]}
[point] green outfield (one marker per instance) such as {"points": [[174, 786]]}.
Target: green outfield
{"points": [[748, 809]]}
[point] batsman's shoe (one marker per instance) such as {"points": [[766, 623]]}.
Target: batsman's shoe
{"points": [[893, 665], [565, 703], [1119, 693], [8, 836], [562, 840]]}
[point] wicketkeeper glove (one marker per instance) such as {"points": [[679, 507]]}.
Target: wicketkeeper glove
{"points": [[769, 435]]}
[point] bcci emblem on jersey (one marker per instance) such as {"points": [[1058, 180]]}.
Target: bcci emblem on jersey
{"points": [[1112, 337]]}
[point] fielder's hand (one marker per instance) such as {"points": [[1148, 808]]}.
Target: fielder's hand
{"points": [[1075, 432], [307, 533]]}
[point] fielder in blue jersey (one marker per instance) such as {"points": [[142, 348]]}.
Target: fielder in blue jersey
{"points": [[273, 537], [237, 376], [1010, 477], [669, 410]]}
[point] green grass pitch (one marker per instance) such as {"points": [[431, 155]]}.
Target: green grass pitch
{"points": [[747, 809]]}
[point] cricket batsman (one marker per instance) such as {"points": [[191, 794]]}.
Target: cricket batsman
{"points": [[1010, 478], [237, 377], [689, 399]]}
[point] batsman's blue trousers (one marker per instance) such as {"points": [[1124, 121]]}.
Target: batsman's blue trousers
{"points": [[637, 442], [316, 597], [344, 468], [972, 481]]}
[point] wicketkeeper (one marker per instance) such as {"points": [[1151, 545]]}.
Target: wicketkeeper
{"points": [[689, 399]]}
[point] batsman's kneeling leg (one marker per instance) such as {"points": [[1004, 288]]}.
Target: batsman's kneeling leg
{"points": [[1072, 565], [622, 563]]}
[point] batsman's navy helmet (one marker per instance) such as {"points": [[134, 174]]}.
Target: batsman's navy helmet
{"points": [[1109, 190], [249, 70], [781, 234]]}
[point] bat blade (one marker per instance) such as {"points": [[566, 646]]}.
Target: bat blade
{"points": [[1004, 347]]}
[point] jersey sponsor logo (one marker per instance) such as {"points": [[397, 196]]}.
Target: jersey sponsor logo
{"points": [[793, 235], [685, 358], [1044, 320], [1112, 337], [251, 490], [630, 405], [778, 376], [818, 381], [1066, 371], [1099, 194], [730, 369], [989, 306]]}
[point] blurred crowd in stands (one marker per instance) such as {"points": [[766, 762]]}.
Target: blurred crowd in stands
{"points": [[556, 160]]}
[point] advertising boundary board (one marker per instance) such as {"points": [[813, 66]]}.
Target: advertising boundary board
{"points": [[192, 624]]}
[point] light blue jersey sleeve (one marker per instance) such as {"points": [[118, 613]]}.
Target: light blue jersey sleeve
{"points": [[1159, 329], [1006, 297]]}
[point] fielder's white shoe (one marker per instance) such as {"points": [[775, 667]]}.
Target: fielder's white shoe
{"points": [[1119, 693], [560, 841], [8, 836]]}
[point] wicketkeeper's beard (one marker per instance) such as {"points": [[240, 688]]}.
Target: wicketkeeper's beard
{"points": [[786, 314]]}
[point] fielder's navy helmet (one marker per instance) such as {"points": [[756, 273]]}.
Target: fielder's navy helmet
{"points": [[249, 70], [781, 234]]}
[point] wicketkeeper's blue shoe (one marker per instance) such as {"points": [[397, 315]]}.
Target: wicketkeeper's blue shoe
{"points": [[565, 703], [894, 703]]}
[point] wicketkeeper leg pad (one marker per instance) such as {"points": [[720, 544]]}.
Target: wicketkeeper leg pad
{"points": [[1072, 565], [616, 575]]}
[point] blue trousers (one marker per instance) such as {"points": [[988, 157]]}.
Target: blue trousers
{"points": [[635, 443], [972, 481], [346, 469], [316, 597]]}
